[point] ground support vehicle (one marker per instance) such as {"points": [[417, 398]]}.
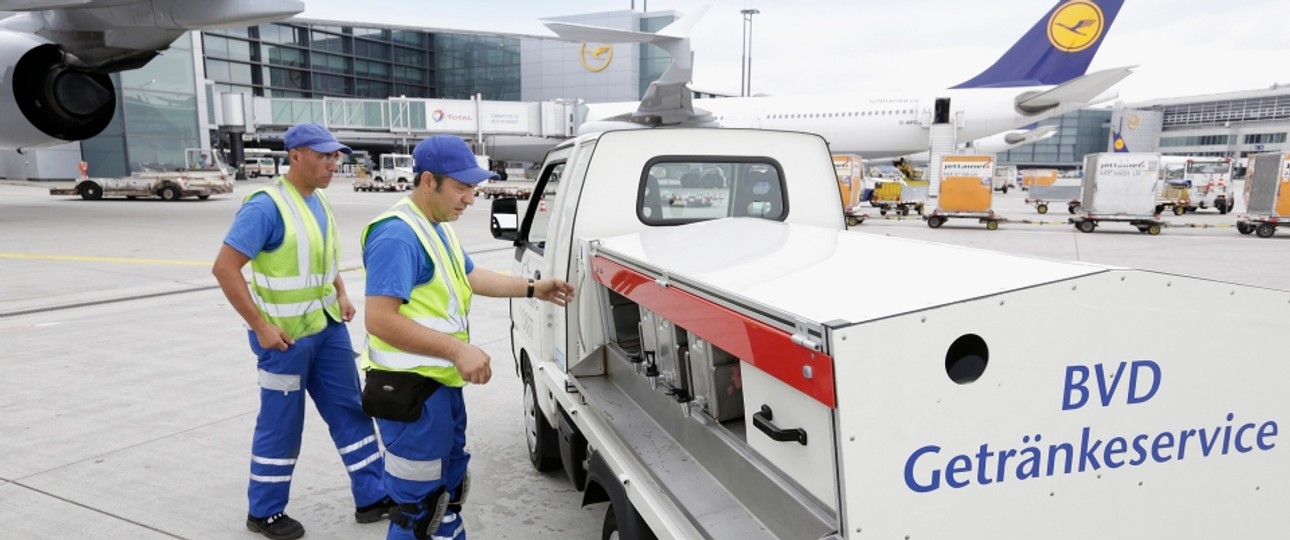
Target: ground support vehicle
{"points": [[1208, 179], [898, 196], [1120, 187], [496, 189], [709, 382], [393, 172], [201, 176], [1005, 178], [966, 191], [938, 217], [1173, 195], [1266, 195], [855, 216], [1043, 196]]}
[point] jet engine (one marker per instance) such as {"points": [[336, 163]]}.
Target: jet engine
{"points": [[45, 98]]}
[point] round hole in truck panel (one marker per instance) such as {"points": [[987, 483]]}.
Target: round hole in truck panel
{"points": [[966, 359]]}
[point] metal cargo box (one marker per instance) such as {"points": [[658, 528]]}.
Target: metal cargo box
{"points": [[1120, 184], [1265, 188], [714, 380]]}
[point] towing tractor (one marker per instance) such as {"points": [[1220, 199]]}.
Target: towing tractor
{"points": [[714, 378]]}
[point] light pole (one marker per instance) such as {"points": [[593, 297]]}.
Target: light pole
{"points": [[745, 67]]}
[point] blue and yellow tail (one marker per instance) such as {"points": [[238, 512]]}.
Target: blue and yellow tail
{"points": [[1057, 49]]}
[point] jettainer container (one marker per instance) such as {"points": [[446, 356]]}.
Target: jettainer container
{"points": [[1267, 194]]}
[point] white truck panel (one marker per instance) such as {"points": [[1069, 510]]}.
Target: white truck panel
{"points": [[798, 268], [811, 464], [895, 398]]}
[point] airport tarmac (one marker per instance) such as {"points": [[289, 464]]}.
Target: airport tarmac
{"points": [[129, 392]]}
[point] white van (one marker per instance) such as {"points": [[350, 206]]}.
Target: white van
{"points": [[256, 167]]}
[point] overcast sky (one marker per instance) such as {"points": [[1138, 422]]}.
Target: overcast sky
{"points": [[1182, 47]]}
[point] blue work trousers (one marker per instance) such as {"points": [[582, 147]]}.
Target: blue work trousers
{"points": [[322, 365], [426, 455]]}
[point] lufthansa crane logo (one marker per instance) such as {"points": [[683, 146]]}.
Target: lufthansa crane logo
{"points": [[1134, 121], [1075, 26], [596, 59]]}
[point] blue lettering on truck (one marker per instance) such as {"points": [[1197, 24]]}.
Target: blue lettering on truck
{"points": [[932, 467]]}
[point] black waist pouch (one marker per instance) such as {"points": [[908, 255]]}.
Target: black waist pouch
{"points": [[396, 395]]}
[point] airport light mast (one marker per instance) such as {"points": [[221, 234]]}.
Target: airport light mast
{"points": [[745, 71]]}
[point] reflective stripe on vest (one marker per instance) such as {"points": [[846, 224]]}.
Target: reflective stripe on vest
{"points": [[294, 285], [441, 304]]}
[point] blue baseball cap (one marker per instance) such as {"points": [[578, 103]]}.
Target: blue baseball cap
{"points": [[449, 155], [315, 137]]}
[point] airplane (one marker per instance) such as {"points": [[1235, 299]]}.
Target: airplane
{"points": [[1042, 75], [57, 56]]}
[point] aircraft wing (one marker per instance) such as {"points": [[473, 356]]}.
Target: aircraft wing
{"points": [[38, 5], [1080, 90]]}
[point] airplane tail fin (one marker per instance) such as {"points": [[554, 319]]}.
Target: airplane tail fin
{"points": [[1057, 49]]}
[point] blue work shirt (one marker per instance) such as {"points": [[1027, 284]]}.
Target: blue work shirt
{"points": [[258, 226], [396, 262]]}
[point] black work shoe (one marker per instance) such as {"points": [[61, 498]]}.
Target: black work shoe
{"points": [[279, 526], [375, 511]]}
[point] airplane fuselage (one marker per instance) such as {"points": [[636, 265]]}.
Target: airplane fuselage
{"points": [[874, 126]]}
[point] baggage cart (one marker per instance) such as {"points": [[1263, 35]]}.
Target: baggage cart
{"points": [[898, 196], [1043, 196], [1173, 193], [1267, 197], [1120, 187], [966, 191]]}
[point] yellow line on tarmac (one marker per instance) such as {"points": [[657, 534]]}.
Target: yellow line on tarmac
{"points": [[123, 260]]}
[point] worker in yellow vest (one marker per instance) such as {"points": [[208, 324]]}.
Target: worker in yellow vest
{"points": [[419, 286], [296, 309]]}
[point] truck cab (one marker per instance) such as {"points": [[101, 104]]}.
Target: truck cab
{"points": [[393, 173]]}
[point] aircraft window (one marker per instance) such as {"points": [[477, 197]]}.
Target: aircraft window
{"points": [[685, 190]]}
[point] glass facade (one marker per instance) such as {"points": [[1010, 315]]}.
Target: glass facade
{"points": [[472, 64], [157, 107], [1225, 111], [1078, 133], [312, 61]]}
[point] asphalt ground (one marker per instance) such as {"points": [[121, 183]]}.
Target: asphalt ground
{"points": [[128, 392]]}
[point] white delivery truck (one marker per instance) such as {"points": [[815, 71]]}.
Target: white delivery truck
{"points": [[393, 173], [714, 378], [1207, 179]]}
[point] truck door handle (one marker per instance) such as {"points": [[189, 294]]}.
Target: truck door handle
{"points": [[762, 419]]}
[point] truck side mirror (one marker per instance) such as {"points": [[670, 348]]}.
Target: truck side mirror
{"points": [[505, 223]]}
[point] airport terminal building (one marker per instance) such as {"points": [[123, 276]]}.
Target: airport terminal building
{"points": [[383, 87]]}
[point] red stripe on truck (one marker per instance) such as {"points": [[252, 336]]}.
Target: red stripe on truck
{"points": [[770, 349]]}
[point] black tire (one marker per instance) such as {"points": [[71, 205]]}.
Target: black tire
{"points": [[1265, 230], [542, 440], [1005, 190], [1225, 208], [1153, 229], [904, 210], [203, 197], [919, 208], [991, 225], [1179, 210], [1072, 208], [852, 221], [169, 193], [1244, 228], [1086, 226], [935, 222], [91, 191], [1041, 208]]}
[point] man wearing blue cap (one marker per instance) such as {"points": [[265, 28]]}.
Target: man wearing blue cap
{"points": [[296, 308], [419, 285]]}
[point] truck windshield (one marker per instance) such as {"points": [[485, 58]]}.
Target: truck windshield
{"points": [[403, 162], [675, 191], [1210, 168]]}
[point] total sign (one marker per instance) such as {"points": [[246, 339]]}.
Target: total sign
{"points": [[451, 116]]}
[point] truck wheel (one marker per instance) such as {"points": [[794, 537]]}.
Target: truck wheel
{"points": [[1154, 229], [611, 529], [168, 193], [1041, 208], [935, 222], [1225, 208], [991, 225], [1265, 230], [203, 197], [91, 191], [543, 441], [852, 221], [1179, 210], [1244, 227], [1086, 226]]}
